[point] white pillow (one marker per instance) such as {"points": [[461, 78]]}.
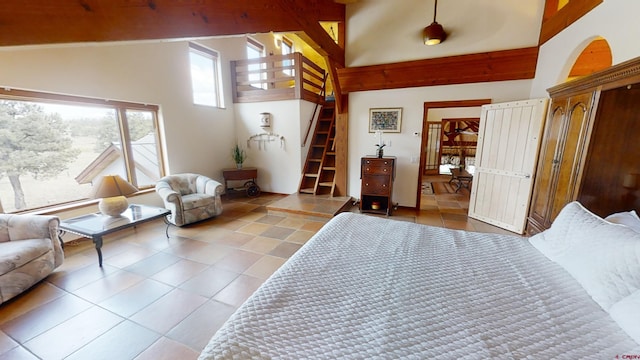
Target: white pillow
{"points": [[603, 257], [629, 218], [626, 313]]}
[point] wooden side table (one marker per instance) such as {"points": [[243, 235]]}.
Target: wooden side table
{"points": [[246, 173]]}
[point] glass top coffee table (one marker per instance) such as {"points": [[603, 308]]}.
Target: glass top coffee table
{"points": [[95, 226]]}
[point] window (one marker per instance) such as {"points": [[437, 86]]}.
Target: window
{"points": [[205, 76], [53, 147], [255, 50], [287, 48]]}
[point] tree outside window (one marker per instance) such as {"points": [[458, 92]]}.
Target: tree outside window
{"points": [[51, 153]]}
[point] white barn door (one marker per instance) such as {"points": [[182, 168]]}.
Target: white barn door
{"points": [[508, 143]]}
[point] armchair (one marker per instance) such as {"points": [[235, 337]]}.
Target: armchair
{"points": [[29, 251], [190, 197]]}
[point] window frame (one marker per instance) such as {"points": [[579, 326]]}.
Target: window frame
{"points": [[214, 56], [261, 76], [287, 43], [120, 108]]}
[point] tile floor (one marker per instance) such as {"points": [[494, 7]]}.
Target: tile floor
{"points": [[158, 298]]}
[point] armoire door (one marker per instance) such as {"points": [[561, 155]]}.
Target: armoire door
{"points": [[560, 159], [506, 158]]}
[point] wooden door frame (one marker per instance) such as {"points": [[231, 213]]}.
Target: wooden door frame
{"points": [[438, 105]]}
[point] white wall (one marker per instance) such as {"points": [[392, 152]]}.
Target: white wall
{"points": [[405, 146], [144, 72], [195, 138], [482, 26], [279, 162], [382, 31], [614, 20]]}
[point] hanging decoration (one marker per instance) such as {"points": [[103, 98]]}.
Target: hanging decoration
{"points": [[264, 138]]}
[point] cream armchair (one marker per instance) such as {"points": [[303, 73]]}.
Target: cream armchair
{"points": [[29, 251], [190, 197]]}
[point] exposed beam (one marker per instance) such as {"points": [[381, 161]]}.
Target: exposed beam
{"points": [[556, 20], [311, 30], [503, 65], [36, 22], [337, 89], [317, 38]]}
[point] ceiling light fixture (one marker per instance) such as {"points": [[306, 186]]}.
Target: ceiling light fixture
{"points": [[434, 34]]}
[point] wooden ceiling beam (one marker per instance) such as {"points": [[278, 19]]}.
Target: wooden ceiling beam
{"points": [[310, 29], [555, 20], [38, 22], [317, 38], [503, 65]]}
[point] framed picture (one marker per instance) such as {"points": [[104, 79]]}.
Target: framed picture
{"points": [[385, 120]]}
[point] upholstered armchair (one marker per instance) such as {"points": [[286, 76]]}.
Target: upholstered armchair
{"points": [[190, 197], [29, 251]]}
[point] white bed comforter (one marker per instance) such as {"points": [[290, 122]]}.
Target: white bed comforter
{"points": [[365, 287]]}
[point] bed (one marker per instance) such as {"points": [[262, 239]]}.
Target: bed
{"points": [[367, 287]]}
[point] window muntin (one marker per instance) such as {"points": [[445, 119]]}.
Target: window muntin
{"points": [[204, 64], [52, 151]]}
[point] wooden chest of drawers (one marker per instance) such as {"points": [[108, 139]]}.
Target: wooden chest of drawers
{"points": [[376, 189]]}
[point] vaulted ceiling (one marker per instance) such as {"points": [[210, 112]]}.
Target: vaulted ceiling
{"points": [[37, 22]]}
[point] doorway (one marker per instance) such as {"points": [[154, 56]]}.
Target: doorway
{"points": [[425, 151]]}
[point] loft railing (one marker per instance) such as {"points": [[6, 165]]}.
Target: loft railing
{"points": [[277, 77]]}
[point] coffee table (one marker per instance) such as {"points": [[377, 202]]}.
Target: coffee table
{"points": [[95, 226], [461, 178]]}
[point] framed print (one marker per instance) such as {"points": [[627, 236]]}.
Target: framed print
{"points": [[385, 120]]}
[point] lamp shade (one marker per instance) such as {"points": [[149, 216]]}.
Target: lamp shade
{"points": [[434, 34], [113, 185]]}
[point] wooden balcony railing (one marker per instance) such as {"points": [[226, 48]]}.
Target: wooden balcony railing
{"points": [[277, 77]]}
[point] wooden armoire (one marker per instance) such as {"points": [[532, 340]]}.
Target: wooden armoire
{"points": [[591, 146]]}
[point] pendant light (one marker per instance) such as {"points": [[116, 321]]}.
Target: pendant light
{"points": [[434, 34]]}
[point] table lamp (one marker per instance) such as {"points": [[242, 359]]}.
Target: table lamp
{"points": [[111, 190]]}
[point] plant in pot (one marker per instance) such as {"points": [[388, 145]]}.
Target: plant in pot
{"points": [[239, 156]]}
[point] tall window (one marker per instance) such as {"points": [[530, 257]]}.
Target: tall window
{"points": [[54, 147], [205, 76], [255, 50], [287, 48]]}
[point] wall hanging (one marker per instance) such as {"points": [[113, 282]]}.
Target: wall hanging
{"points": [[263, 139]]}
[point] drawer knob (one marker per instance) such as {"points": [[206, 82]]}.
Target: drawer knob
{"points": [[385, 170], [368, 169], [384, 185], [367, 184]]}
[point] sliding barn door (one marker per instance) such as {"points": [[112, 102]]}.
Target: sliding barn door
{"points": [[508, 142]]}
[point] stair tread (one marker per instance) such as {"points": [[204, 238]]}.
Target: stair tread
{"points": [[325, 133]]}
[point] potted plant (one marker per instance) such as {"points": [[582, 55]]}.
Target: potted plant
{"points": [[238, 155]]}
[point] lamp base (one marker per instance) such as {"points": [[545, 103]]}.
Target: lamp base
{"points": [[113, 206]]}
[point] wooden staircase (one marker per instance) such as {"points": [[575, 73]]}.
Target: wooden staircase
{"points": [[318, 175]]}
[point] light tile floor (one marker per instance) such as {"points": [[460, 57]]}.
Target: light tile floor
{"points": [[158, 298]]}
